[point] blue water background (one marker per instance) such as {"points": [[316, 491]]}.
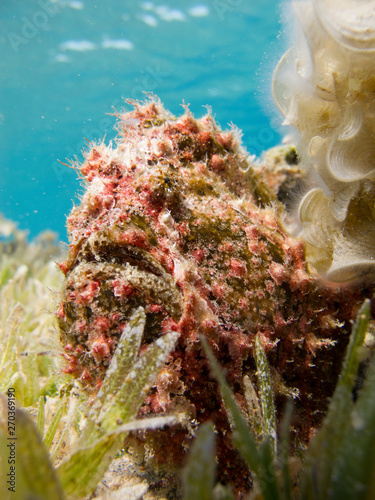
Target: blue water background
{"points": [[64, 65]]}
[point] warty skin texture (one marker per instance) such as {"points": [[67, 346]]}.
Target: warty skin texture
{"points": [[175, 219]]}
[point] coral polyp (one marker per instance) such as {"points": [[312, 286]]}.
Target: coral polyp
{"points": [[324, 85], [175, 219]]}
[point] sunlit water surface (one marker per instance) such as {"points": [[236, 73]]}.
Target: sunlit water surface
{"points": [[65, 65]]}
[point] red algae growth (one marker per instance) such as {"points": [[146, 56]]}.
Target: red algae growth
{"points": [[174, 218]]}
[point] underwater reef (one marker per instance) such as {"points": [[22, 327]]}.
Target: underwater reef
{"points": [[174, 219], [324, 86], [71, 445], [202, 349]]}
